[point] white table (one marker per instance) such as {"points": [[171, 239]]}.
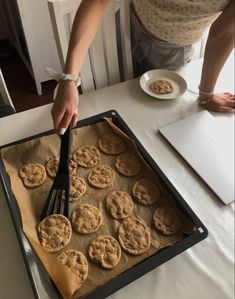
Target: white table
{"points": [[206, 270]]}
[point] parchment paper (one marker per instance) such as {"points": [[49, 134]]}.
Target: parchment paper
{"points": [[30, 202]]}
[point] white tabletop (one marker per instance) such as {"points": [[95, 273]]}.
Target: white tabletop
{"points": [[206, 270]]}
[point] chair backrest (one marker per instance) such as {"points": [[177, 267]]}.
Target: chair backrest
{"points": [[100, 67], [125, 30], [4, 92]]}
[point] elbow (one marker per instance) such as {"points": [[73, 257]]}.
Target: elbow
{"points": [[223, 36]]}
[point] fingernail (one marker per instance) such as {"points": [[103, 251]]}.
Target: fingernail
{"points": [[62, 131]]}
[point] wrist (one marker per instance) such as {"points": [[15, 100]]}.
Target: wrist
{"points": [[63, 76], [205, 92], [67, 83], [204, 99], [70, 77], [205, 96]]}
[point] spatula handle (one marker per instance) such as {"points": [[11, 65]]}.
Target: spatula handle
{"points": [[65, 150]]}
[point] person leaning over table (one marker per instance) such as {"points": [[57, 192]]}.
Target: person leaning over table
{"points": [[163, 33]]}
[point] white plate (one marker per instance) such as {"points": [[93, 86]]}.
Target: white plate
{"points": [[178, 83]]}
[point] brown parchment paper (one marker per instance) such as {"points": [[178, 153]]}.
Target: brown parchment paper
{"points": [[30, 202]]}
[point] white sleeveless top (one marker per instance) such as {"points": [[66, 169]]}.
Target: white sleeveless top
{"points": [[179, 22]]}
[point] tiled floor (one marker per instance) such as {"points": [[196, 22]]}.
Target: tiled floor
{"points": [[21, 86]]}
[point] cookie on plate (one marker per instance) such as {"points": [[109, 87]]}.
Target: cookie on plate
{"points": [[77, 188], [54, 232], [101, 176], [111, 144], [145, 192], [86, 156], [76, 261], [128, 164], [86, 219], [106, 251], [161, 87], [32, 175], [166, 220], [119, 204], [134, 236]]}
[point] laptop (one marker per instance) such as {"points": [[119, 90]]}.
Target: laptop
{"points": [[207, 144]]}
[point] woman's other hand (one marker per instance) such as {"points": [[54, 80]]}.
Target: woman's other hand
{"points": [[220, 102]]}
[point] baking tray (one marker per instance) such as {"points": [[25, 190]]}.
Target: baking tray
{"points": [[42, 285]]}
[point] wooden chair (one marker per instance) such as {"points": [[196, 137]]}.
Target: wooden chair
{"points": [[8, 107], [100, 67], [125, 29]]}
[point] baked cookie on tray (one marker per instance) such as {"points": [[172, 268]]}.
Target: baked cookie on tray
{"points": [[119, 204], [32, 175], [134, 236], [86, 219], [145, 192], [77, 188], [54, 232], [101, 176], [106, 251], [111, 144], [73, 167], [166, 220], [128, 164], [86, 156], [53, 164], [76, 261]]}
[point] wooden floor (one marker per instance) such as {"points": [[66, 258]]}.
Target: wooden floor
{"points": [[20, 84]]}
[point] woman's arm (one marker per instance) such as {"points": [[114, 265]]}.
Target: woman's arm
{"points": [[85, 25], [219, 46]]}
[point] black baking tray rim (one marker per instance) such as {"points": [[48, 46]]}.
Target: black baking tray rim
{"points": [[42, 284]]}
